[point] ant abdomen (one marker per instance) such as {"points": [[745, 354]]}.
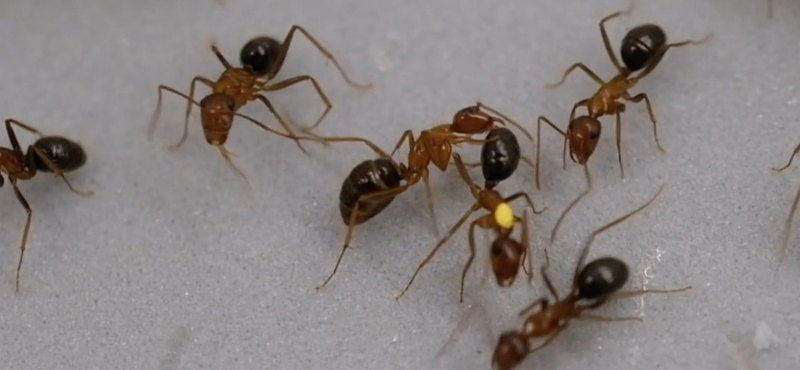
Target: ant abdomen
{"points": [[512, 347], [368, 177], [601, 278], [66, 155], [259, 54], [641, 44], [505, 256], [500, 157]]}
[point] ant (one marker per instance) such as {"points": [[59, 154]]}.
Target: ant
{"points": [[642, 49], [593, 285], [373, 184], [507, 254], [237, 86], [785, 238], [53, 154]]}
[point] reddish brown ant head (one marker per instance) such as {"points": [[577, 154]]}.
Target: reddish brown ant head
{"points": [[471, 120], [584, 134], [217, 117], [512, 347], [505, 256]]}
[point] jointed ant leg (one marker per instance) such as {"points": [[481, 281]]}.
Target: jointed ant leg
{"points": [[528, 251], [788, 225], [157, 112], [227, 155], [569, 70], [506, 118], [287, 41], [604, 35], [483, 223], [13, 136], [24, 230], [657, 59], [58, 171], [639, 98], [441, 242], [527, 197], [634, 293], [539, 143], [407, 134], [221, 58], [288, 136], [594, 317], [205, 81], [619, 149], [429, 201], [375, 148], [351, 225], [289, 82], [282, 122], [574, 202], [794, 153]]}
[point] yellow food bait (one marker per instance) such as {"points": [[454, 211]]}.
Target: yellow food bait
{"points": [[504, 216]]}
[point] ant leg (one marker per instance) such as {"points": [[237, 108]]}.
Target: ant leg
{"points": [[407, 134], [639, 98], [482, 222], [282, 122], [549, 283], [590, 239], [189, 104], [289, 82], [58, 171], [288, 136], [786, 228], [227, 154], [634, 293], [527, 197], [284, 49], [13, 137], [429, 202], [657, 59], [351, 225], [796, 149], [441, 242], [604, 35], [541, 303], [528, 250], [375, 148], [569, 70], [157, 112], [594, 317], [24, 230], [539, 143], [619, 149], [574, 202], [504, 117], [221, 58]]}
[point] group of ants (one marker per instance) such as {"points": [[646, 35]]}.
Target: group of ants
{"points": [[373, 184]]}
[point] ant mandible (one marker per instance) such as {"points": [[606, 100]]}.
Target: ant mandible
{"points": [[593, 285], [793, 209], [642, 49], [54, 154], [507, 253], [237, 86], [373, 184]]}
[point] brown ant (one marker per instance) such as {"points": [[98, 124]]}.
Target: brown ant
{"points": [[642, 49], [507, 254], [237, 86], [593, 285], [372, 185], [793, 209], [54, 154]]}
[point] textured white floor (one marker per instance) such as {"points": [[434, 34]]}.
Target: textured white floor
{"points": [[175, 247]]}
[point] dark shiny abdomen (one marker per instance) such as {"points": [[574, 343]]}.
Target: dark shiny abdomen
{"points": [[500, 157], [366, 178], [65, 154]]}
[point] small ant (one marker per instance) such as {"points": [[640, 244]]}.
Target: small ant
{"points": [[642, 49], [593, 285], [507, 254], [53, 154], [786, 230], [372, 185], [237, 86]]}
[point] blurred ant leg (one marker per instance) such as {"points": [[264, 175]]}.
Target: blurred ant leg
{"points": [[787, 226], [573, 67], [221, 58], [527, 197], [189, 104], [539, 143], [604, 34], [574, 202], [281, 120], [639, 98], [652, 66], [593, 317], [25, 230], [58, 171], [794, 153], [291, 81], [484, 222]]}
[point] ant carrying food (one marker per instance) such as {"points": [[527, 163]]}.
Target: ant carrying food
{"points": [[642, 49], [593, 285], [237, 86], [793, 209], [373, 184], [53, 154], [507, 254]]}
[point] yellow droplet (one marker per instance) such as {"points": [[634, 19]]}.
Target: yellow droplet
{"points": [[504, 216]]}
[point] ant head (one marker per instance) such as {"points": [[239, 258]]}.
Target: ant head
{"points": [[601, 278], [512, 347], [471, 120], [504, 216], [584, 134], [641, 45], [217, 116], [505, 256], [260, 54], [51, 153]]}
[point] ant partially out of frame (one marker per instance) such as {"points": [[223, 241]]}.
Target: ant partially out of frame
{"points": [[262, 59], [53, 154], [593, 285]]}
